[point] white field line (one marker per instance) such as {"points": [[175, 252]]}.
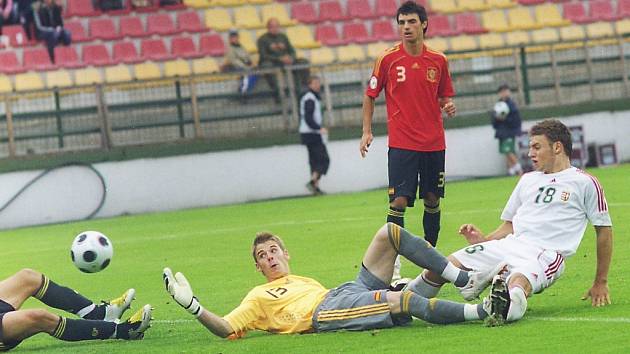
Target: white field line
{"points": [[526, 318]]}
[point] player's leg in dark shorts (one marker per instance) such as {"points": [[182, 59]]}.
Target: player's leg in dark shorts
{"points": [[6, 345], [402, 166], [432, 178], [318, 157], [357, 305]]}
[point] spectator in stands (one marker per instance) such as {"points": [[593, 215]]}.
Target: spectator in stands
{"points": [[26, 17], [313, 133], [49, 23], [108, 5], [238, 59], [8, 13], [506, 121], [276, 50]]}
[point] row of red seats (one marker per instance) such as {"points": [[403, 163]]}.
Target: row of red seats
{"points": [[332, 10], [84, 8], [599, 10], [108, 28], [122, 52], [384, 30]]}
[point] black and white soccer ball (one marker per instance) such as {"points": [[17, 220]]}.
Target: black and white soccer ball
{"points": [[91, 251], [501, 110]]}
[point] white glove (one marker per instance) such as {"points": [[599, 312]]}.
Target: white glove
{"points": [[180, 290]]}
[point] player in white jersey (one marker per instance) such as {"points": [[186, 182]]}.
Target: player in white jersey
{"points": [[543, 223]]}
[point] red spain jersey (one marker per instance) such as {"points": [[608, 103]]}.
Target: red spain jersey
{"points": [[412, 86]]}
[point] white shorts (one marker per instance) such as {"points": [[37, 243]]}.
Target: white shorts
{"points": [[541, 267]]}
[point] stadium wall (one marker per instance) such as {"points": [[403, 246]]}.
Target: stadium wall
{"points": [[171, 183]]}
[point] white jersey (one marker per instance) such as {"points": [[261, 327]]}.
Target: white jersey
{"points": [[551, 210]]}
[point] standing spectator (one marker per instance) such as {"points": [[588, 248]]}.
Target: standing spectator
{"points": [[8, 13], [26, 17], [275, 50], [238, 59], [313, 134], [506, 121], [49, 25], [418, 88]]}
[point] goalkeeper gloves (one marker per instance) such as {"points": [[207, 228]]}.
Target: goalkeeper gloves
{"points": [[182, 293]]}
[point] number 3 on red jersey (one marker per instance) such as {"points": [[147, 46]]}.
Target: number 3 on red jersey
{"points": [[401, 74]]}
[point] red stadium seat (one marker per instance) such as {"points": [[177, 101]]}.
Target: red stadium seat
{"points": [[17, 36], [154, 49], [602, 10], [386, 8], [103, 28], [360, 9], [355, 32], [623, 8], [9, 63], [96, 54], [575, 12], [78, 32], [160, 23], [440, 25], [125, 52], [131, 26], [80, 8], [331, 10], [327, 34], [304, 12], [468, 23], [67, 57], [189, 21], [184, 47], [36, 59], [384, 30], [212, 44]]}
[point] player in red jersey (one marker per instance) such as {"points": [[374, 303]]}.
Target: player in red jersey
{"points": [[418, 89]]}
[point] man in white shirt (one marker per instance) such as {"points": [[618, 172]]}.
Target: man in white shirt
{"points": [[543, 223]]}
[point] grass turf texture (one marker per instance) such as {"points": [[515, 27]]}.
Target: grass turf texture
{"points": [[326, 237]]}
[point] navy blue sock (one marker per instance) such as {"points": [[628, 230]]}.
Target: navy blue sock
{"points": [[397, 216]]}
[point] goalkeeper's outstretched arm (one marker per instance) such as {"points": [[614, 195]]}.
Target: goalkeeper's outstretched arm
{"points": [[178, 287]]}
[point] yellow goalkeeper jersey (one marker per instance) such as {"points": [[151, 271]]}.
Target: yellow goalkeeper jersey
{"points": [[284, 305]]}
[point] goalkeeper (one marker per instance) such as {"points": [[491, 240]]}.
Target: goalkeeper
{"points": [[289, 303]]}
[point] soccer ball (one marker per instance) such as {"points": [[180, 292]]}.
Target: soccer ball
{"points": [[91, 251], [501, 110]]}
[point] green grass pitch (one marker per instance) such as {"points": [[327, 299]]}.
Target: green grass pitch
{"points": [[326, 237]]}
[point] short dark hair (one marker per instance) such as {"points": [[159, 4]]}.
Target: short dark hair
{"points": [[411, 7], [554, 131], [312, 78], [263, 237]]}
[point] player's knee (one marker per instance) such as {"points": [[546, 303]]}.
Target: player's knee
{"points": [[518, 304], [431, 200], [399, 203], [29, 277]]}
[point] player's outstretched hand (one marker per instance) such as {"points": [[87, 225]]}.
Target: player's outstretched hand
{"points": [[366, 140], [179, 288], [472, 233], [599, 295]]}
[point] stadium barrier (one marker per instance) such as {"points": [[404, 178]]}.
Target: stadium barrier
{"points": [[183, 108]]}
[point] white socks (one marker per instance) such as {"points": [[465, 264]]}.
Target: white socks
{"points": [[518, 304]]}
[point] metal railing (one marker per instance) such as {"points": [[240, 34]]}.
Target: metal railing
{"points": [[107, 115]]}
